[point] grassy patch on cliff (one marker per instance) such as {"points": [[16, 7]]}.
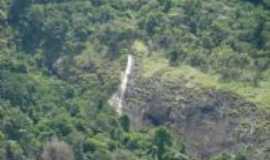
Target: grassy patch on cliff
{"points": [[158, 65]]}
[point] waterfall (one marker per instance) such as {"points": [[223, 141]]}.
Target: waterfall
{"points": [[118, 98]]}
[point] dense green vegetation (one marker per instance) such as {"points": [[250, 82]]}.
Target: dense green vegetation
{"points": [[60, 61]]}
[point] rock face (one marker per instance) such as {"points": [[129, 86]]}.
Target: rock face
{"points": [[209, 121]]}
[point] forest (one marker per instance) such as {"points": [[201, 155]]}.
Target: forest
{"points": [[60, 62]]}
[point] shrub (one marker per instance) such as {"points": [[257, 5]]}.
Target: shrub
{"points": [[57, 150]]}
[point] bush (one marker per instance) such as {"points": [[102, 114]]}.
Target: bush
{"points": [[57, 150]]}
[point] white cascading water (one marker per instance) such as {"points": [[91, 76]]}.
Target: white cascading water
{"points": [[118, 98]]}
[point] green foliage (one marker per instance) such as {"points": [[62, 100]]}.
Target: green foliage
{"points": [[125, 122], [60, 61], [162, 140]]}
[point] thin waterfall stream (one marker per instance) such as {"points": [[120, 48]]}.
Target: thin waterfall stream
{"points": [[117, 99]]}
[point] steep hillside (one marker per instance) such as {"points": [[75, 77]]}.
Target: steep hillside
{"points": [[210, 120], [201, 73]]}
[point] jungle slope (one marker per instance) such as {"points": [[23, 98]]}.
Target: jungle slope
{"points": [[209, 119], [60, 62]]}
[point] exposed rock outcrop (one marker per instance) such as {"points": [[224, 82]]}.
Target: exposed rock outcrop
{"points": [[210, 121]]}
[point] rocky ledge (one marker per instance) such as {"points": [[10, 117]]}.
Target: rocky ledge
{"points": [[209, 121]]}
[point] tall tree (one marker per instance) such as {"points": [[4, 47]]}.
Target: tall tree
{"points": [[162, 140]]}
